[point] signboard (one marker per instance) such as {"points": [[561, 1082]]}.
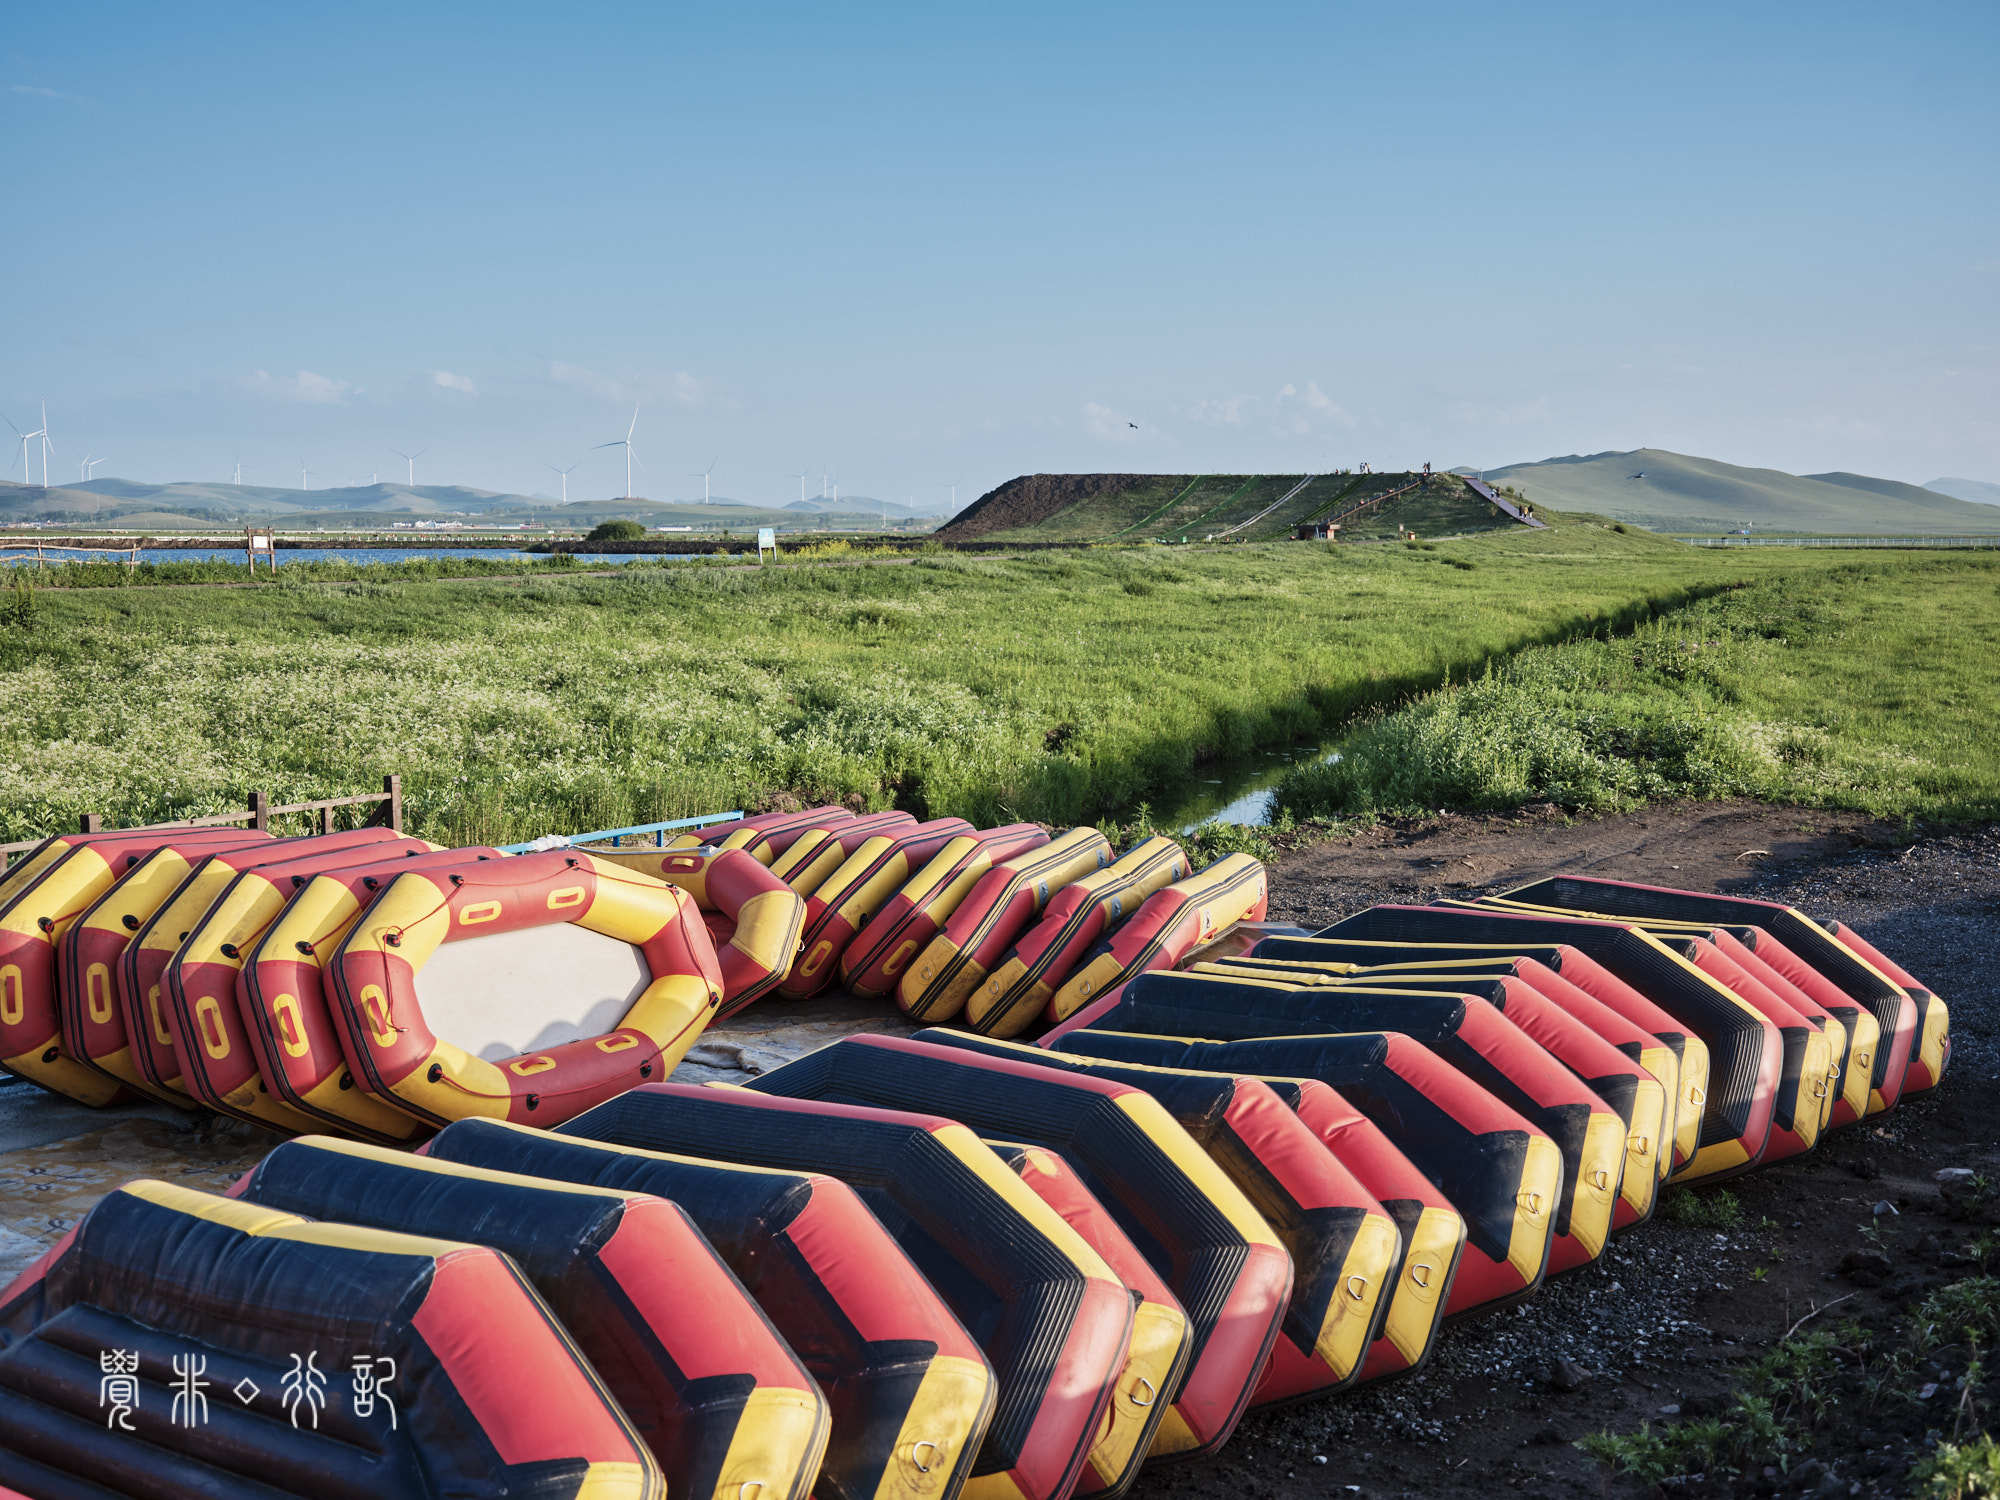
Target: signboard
{"points": [[767, 536], [260, 543]]}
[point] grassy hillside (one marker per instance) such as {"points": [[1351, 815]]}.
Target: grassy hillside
{"points": [[1197, 507], [1673, 492], [1060, 686]]}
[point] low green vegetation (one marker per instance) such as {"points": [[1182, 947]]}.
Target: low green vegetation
{"points": [[1701, 1208], [617, 531], [1867, 686], [1060, 686], [1783, 1398], [1818, 1381], [1959, 1471]]}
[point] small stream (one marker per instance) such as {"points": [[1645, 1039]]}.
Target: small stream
{"points": [[1244, 792]]}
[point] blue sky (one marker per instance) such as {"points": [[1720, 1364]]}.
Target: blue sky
{"points": [[921, 246]]}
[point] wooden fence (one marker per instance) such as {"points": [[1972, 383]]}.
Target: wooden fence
{"points": [[387, 804]]}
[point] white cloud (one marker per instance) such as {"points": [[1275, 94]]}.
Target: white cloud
{"points": [[678, 388], [445, 380], [305, 386], [1301, 412], [1103, 422], [36, 91], [1225, 411]]}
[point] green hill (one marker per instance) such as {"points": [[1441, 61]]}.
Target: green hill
{"points": [[1673, 492], [1217, 507]]}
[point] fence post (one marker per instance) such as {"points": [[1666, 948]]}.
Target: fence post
{"points": [[260, 811], [91, 823], [326, 820], [392, 812]]}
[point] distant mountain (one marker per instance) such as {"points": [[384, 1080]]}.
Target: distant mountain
{"points": [[861, 503], [1978, 491], [1675, 492], [193, 504]]}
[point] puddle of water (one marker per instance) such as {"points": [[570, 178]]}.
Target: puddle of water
{"points": [[1245, 794]]}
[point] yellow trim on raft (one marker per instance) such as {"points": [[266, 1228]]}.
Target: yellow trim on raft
{"points": [[58, 896], [1342, 1341], [1437, 1241], [782, 1430], [1048, 868], [1640, 1184], [314, 923], [1601, 1167], [1115, 1452], [955, 1396], [1535, 1208]]}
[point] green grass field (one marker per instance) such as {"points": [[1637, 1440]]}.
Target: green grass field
{"points": [[1869, 686], [1059, 686]]}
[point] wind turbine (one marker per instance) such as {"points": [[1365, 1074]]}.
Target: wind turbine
{"points": [[239, 470], [84, 468], [802, 487], [703, 477], [26, 477], [411, 459], [41, 432], [626, 443], [565, 477], [302, 474]]}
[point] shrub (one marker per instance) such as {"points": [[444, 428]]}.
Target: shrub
{"points": [[617, 531]]}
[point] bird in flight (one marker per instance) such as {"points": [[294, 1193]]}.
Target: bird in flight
{"points": [[1640, 475], [1133, 425]]}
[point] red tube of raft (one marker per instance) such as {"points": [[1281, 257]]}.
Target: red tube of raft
{"points": [[763, 837], [1025, 980], [281, 996], [87, 955], [854, 892], [753, 917], [218, 1065], [1166, 928], [874, 962], [998, 909]]}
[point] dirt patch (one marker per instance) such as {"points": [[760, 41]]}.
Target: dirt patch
{"points": [[1708, 846]]}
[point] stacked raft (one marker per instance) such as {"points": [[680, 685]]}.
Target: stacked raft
{"points": [[377, 986], [1262, 1169]]}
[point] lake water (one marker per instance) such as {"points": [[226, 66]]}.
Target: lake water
{"points": [[343, 554]]}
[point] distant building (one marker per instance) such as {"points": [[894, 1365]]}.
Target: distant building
{"points": [[1315, 531]]}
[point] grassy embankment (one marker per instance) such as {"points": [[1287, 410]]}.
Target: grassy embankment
{"points": [[1868, 686], [1057, 686]]}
